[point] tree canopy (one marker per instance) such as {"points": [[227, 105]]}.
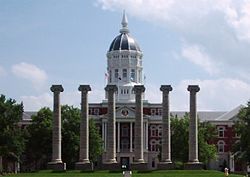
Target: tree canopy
{"points": [[243, 130], [179, 138], [11, 135]]}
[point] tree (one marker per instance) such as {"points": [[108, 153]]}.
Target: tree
{"points": [[70, 135], [243, 129], [179, 138], [39, 138], [95, 142], [11, 136]]}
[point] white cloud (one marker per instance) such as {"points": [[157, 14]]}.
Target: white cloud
{"points": [[30, 72], [198, 56], [34, 103], [219, 94], [2, 72], [221, 27]]}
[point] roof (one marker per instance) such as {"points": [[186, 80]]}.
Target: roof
{"points": [[124, 42]]}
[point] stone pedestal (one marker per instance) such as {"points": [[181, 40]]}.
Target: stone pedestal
{"points": [[56, 163], [83, 166], [84, 163], [166, 162], [193, 161], [57, 166], [111, 129], [138, 143], [141, 166], [165, 166], [193, 166]]}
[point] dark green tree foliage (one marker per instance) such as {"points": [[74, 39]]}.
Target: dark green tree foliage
{"points": [[11, 136], [70, 135], [179, 138], [39, 138], [207, 133], [243, 129], [95, 142]]}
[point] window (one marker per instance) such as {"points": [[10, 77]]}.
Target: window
{"points": [[221, 131], [132, 75], [96, 111], [221, 145], [124, 73], [110, 76], [153, 145], [153, 130], [153, 111], [124, 144], [125, 131], [116, 74]]}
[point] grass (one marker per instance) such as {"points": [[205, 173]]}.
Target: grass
{"points": [[169, 173]]}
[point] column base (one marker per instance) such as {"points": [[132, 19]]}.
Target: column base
{"points": [[193, 166], [111, 166], [57, 166], [84, 166], [142, 166], [165, 165]]}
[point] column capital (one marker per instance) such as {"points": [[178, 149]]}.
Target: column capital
{"points": [[138, 89], [84, 88], [111, 88], [166, 88], [193, 88], [56, 88]]}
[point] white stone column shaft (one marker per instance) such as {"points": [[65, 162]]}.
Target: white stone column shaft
{"points": [[193, 125], [139, 89], [166, 133], [131, 137], [56, 140], [118, 136], [111, 127], [84, 125]]}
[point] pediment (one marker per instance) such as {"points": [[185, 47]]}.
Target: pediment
{"points": [[125, 112]]}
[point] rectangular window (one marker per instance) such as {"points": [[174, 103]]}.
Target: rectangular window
{"points": [[124, 73], [132, 75], [116, 73]]}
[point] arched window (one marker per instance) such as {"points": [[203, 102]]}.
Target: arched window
{"points": [[153, 130], [221, 146], [153, 145]]}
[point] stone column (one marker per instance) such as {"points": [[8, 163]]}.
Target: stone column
{"points": [[166, 134], [193, 162], [118, 136], [84, 163], [131, 137], [111, 128], [56, 163], [138, 89], [193, 127]]}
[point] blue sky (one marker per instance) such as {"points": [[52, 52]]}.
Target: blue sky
{"points": [[46, 42]]}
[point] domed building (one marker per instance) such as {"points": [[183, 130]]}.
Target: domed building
{"points": [[118, 116], [124, 64]]}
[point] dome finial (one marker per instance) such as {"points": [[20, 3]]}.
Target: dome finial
{"points": [[124, 23]]}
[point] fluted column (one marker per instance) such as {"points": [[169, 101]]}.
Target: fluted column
{"points": [[139, 89], [56, 162], [193, 125], [111, 129], [166, 135], [84, 128]]}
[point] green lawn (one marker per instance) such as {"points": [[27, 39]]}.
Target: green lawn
{"points": [[170, 173]]}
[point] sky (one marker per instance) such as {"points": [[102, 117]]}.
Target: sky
{"points": [[184, 42]]}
